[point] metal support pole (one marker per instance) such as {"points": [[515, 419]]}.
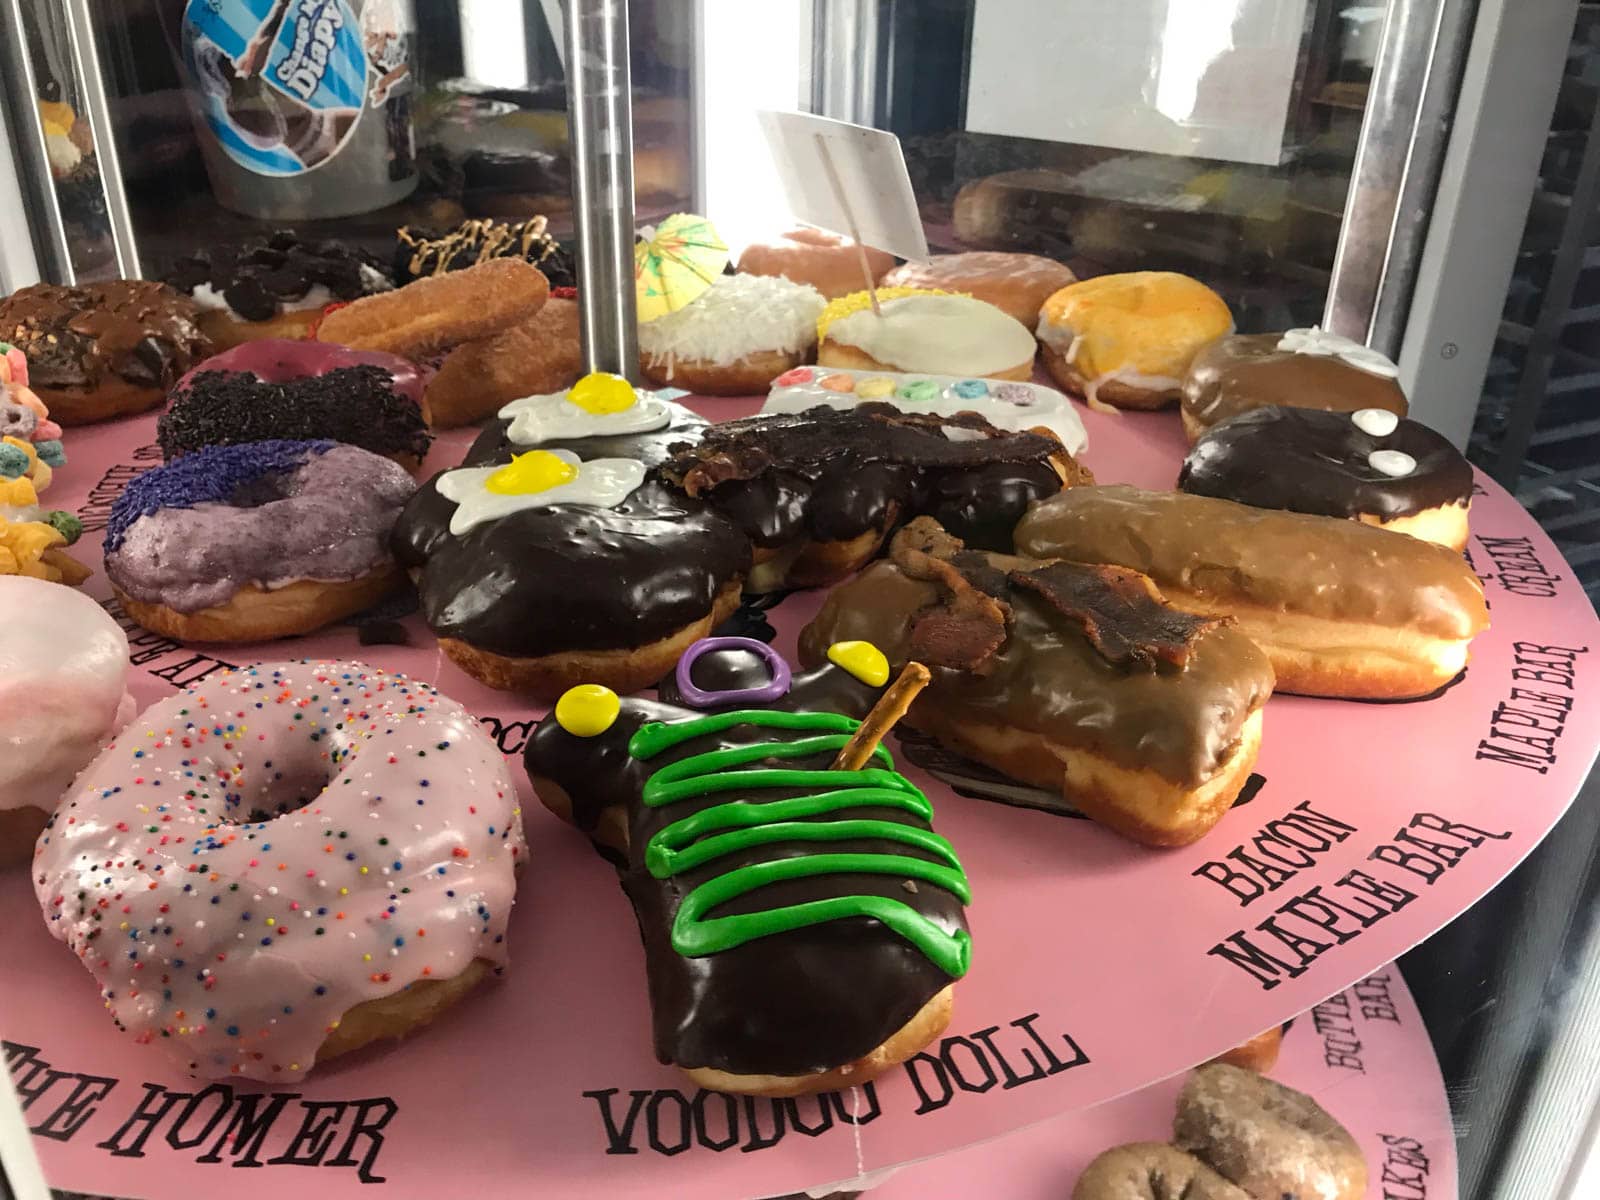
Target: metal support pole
{"points": [[598, 106]]}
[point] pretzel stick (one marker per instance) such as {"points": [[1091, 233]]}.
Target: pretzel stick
{"points": [[891, 706]]}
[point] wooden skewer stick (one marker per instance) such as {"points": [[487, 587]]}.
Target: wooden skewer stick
{"points": [[850, 220], [891, 706]]}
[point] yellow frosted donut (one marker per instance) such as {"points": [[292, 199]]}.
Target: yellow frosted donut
{"points": [[1127, 340]]}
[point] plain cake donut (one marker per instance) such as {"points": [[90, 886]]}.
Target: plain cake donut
{"points": [[308, 856]]}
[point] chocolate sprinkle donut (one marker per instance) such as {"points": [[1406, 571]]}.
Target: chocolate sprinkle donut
{"points": [[1310, 461], [357, 405]]}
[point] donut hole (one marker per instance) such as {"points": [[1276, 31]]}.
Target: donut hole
{"points": [[263, 490], [286, 789]]}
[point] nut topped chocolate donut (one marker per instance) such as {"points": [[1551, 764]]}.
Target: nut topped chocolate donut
{"points": [[103, 349], [1303, 368], [1368, 466]]}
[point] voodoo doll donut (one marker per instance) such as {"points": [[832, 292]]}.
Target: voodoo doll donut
{"points": [[803, 924], [555, 555]]}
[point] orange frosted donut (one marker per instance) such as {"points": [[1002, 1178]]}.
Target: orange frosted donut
{"points": [[826, 261], [1127, 340], [334, 846]]}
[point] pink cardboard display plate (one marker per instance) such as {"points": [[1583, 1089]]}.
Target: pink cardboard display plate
{"points": [[1362, 1054], [1099, 966]]}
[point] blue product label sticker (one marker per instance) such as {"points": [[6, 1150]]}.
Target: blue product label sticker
{"points": [[281, 83]]}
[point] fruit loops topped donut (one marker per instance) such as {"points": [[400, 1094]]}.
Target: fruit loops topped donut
{"points": [[924, 332], [103, 349], [556, 511], [734, 338], [1126, 341], [257, 541], [308, 856], [33, 540], [296, 390], [63, 692], [22, 414], [1369, 466], [817, 258], [1303, 368], [1016, 284]]}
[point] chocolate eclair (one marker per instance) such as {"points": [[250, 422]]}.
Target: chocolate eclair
{"points": [[1303, 368], [274, 286], [803, 925], [818, 491], [1369, 466], [1341, 609], [103, 349], [566, 585], [1076, 679]]}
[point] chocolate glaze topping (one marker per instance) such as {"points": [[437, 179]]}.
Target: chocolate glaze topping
{"points": [[791, 1003], [1047, 677], [568, 576], [1318, 462], [1229, 553], [74, 337], [831, 475], [1245, 371], [355, 405], [257, 276]]}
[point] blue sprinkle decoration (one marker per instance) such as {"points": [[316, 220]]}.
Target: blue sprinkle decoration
{"points": [[210, 476]]}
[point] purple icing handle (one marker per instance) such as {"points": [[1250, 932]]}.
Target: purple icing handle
{"points": [[774, 689]]}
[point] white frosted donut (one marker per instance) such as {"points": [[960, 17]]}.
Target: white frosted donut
{"points": [[259, 856], [63, 693], [932, 334]]}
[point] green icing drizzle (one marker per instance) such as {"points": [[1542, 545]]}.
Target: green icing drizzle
{"points": [[739, 825]]}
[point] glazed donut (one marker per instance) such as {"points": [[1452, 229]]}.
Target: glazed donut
{"points": [[1341, 609], [103, 349], [536, 356], [1080, 682], [256, 541], [1269, 1139], [1016, 284], [1127, 340], [1152, 1171], [814, 257], [63, 693], [624, 577], [274, 286], [275, 390], [818, 492], [1303, 368], [924, 332], [441, 311], [734, 339], [840, 972], [313, 917], [1369, 466]]}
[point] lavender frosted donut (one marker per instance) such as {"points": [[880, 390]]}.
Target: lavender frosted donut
{"points": [[257, 541]]}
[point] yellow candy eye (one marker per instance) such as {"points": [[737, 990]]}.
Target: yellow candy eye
{"points": [[587, 710], [535, 471], [863, 660], [601, 393]]}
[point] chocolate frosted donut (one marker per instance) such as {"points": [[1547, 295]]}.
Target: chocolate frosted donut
{"points": [[1269, 1139], [1303, 368], [818, 491], [299, 390], [103, 349], [1368, 466], [565, 593], [244, 543]]}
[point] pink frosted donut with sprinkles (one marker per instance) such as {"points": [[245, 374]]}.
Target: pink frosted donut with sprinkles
{"points": [[285, 863]]}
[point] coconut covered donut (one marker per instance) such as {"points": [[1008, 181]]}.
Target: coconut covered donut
{"points": [[307, 856], [735, 338], [1269, 1139], [63, 692]]}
